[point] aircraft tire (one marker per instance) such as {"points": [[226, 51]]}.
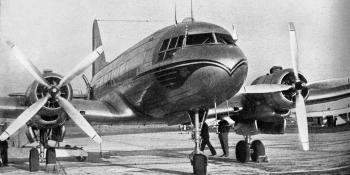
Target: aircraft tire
{"points": [[242, 151], [200, 162], [258, 150], [50, 155], [33, 160], [81, 158]]}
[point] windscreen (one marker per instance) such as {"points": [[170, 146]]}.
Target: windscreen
{"points": [[203, 38], [224, 38]]}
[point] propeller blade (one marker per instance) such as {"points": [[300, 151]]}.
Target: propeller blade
{"points": [[294, 50], [27, 64], [302, 121], [87, 61], [23, 118], [265, 88], [330, 83], [79, 119]]}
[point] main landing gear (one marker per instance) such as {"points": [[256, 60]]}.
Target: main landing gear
{"points": [[37, 155], [199, 160], [246, 150]]}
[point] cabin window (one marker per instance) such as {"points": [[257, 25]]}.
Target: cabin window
{"points": [[203, 38], [224, 38]]}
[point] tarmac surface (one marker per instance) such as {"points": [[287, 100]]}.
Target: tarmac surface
{"points": [[167, 153]]}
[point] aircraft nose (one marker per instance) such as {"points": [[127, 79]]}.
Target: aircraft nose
{"points": [[216, 73]]}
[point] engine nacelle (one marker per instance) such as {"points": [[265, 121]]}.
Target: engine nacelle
{"points": [[279, 100], [57, 134], [50, 115], [278, 126]]}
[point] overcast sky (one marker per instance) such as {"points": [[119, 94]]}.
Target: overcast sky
{"points": [[57, 34]]}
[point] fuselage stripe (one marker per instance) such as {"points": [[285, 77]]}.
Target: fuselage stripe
{"points": [[192, 62]]}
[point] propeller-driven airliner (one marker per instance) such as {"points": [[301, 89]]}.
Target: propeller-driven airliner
{"points": [[186, 72]]}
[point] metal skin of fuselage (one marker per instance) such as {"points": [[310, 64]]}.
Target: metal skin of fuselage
{"points": [[196, 76]]}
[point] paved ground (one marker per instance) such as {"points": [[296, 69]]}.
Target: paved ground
{"points": [[167, 153]]}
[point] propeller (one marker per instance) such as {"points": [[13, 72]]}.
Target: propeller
{"points": [[54, 92], [299, 99], [79, 119], [297, 87], [266, 88], [27, 64], [23, 118], [78, 69]]}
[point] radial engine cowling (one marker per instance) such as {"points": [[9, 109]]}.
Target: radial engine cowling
{"points": [[51, 114], [279, 100]]}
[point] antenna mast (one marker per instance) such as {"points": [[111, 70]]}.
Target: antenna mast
{"points": [[192, 11], [175, 14]]}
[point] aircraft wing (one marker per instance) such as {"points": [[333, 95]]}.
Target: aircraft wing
{"points": [[99, 112], [234, 104], [327, 95], [94, 111], [11, 107]]}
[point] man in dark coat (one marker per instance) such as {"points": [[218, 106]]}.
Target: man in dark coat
{"points": [[3, 152], [223, 130], [205, 139], [3, 147]]}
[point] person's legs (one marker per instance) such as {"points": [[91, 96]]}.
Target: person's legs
{"points": [[211, 148], [225, 143], [202, 145], [5, 158], [222, 143], [1, 158]]}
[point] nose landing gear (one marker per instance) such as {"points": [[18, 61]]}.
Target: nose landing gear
{"points": [[199, 160]]}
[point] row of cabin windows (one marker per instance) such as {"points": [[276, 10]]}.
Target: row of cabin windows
{"points": [[169, 46]]}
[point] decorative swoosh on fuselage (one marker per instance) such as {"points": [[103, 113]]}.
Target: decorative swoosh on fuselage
{"points": [[173, 75]]}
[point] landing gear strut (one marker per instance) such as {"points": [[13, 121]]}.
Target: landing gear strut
{"points": [[37, 154], [246, 150], [199, 161]]}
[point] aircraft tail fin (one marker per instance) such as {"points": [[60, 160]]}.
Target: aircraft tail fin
{"points": [[96, 42]]}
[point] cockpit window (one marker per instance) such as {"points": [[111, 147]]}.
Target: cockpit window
{"points": [[203, 38], [180, 41], [224, 38], [173, 43], [164, 45], [169, 46]]}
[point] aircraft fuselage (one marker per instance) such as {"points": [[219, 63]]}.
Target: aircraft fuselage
{"points": [[178, 68]]}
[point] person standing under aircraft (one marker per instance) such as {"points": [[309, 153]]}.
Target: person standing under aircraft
{"points": [[223, 130], [3, 149], [205, 139]]}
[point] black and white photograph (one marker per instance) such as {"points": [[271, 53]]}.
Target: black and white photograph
{"points": [[174, 87]]}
